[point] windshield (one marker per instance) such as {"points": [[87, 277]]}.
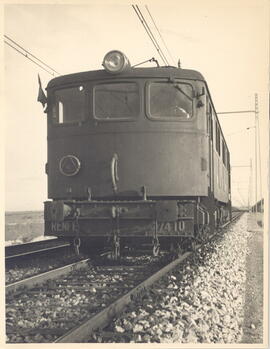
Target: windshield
{"points": [[171, 100], [116, 100], [69, 105]]}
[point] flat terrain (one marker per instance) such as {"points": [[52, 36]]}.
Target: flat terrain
{"points": [[23, 226]]}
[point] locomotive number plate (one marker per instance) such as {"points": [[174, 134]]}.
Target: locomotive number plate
{"points": [[183, 228]]}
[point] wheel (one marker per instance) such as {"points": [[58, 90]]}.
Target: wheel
{"points": [[192, 244], [116, 250], [156, 250], [77, 244], [201, 234], [177, 250], [116, 253]]}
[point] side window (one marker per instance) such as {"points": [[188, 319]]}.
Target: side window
{"points": [[218, 175], [207, 115], [217, 138], [223, 153], [211, 122], [228, 160], [69, 105]]}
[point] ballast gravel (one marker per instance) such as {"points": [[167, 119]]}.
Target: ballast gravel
{"points": [[46, 312], [38, 265], [200, 302]]}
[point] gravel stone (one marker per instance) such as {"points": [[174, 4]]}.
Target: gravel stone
{"points": [[201, 302], [59, 305]]}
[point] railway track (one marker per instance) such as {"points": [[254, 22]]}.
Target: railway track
{"points": [[13, 252], [78, 290], [63, 307], [235, 216], [27, 260]]}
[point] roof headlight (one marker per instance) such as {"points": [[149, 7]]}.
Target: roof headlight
{"points": [[115, 62]]}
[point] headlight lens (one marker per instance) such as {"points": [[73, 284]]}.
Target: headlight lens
{"points": [[115, 62]]}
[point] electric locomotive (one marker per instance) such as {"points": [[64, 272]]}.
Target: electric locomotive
{"points": [[135, 156]]}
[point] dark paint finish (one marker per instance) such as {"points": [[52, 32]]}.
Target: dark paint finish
{"points": [[167, 72], [166, 163], [172, 159]]}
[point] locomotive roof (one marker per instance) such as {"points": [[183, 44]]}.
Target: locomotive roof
{"points": [[153, 72]]}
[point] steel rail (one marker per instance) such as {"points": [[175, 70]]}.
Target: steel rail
{"points": [[8, 249], [27, 244], [36, 251], [237, 215], [100, 320], [41, 278]]}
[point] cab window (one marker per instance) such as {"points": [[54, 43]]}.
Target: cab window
{"points": [[217, 138], [120, 100], [211, 122], [69, 105], [170, 100], [224, 153]]}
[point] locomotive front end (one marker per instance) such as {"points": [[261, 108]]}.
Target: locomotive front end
{"points": [[127, 155]]}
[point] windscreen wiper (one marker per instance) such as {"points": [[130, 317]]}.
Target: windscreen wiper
{"points": [[179, 89]]}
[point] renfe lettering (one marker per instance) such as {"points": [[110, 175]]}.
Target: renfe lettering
{"points": [[62, 226]]}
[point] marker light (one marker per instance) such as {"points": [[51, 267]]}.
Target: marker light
{"points": [[69, 165], [115, 62]]}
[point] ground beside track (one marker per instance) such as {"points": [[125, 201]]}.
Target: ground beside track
{"points": [[23, 226], [253, 323]]}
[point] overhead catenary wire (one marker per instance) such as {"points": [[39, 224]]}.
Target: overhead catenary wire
{"points": [[234, 133], [29, 58], [257, 143], [257, 119], [164, 43], [240, 195], [240, 202], [150, 34], [27, 54], [236, 112]]}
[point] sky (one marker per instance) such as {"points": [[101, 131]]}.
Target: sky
{"points": [[227, 41]]}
